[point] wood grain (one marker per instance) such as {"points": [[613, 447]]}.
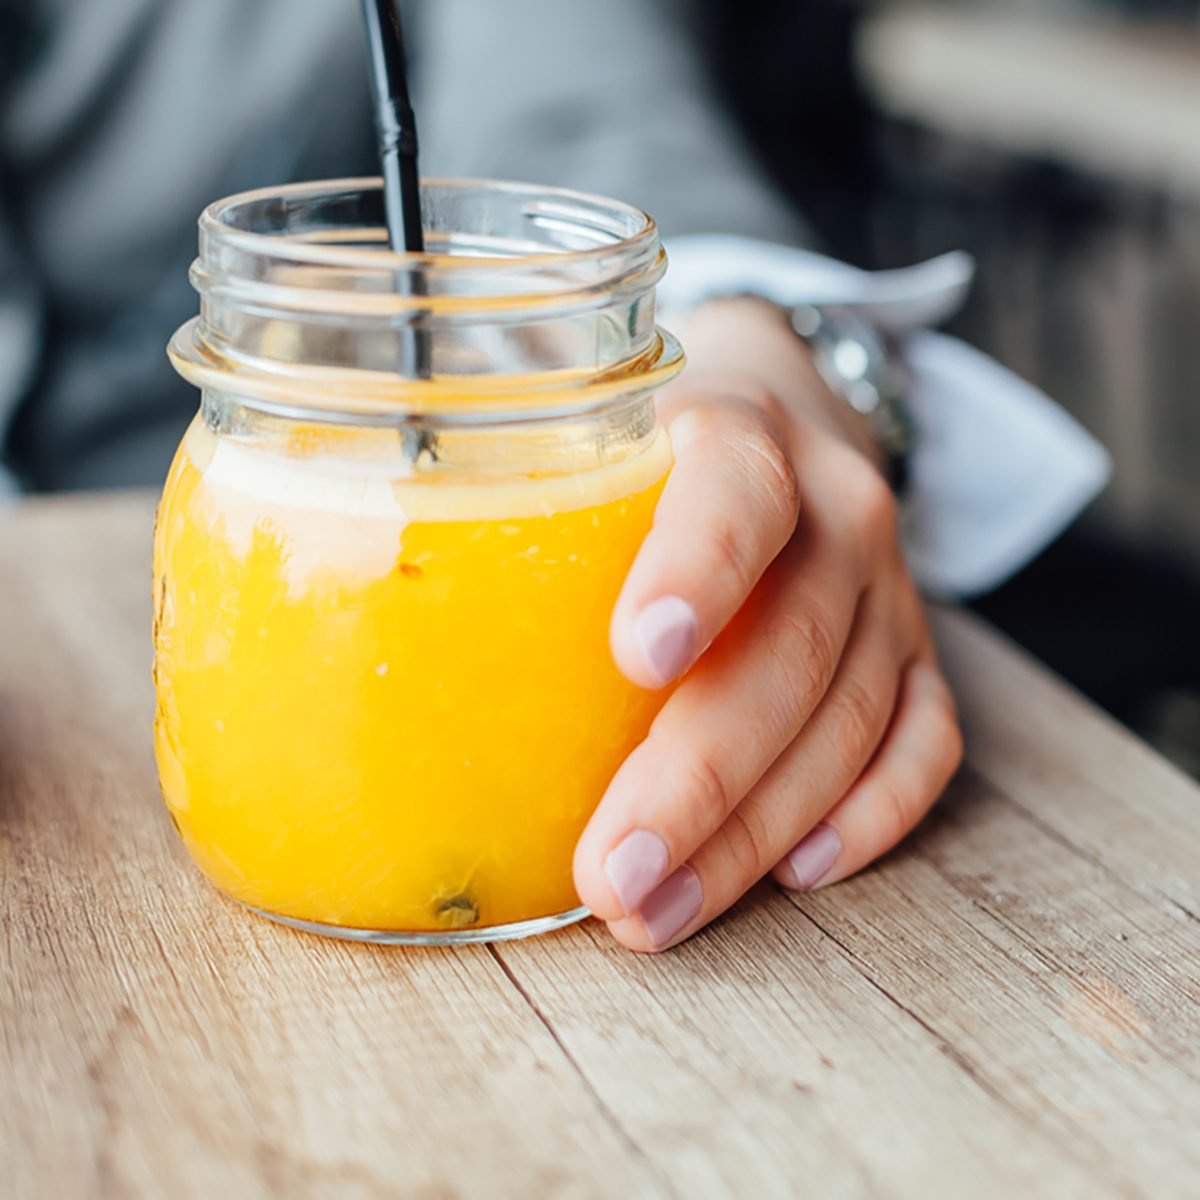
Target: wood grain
{"points": [[1008, 1006]]}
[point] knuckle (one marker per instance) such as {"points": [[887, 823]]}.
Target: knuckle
{"points": [[769, 467], [856, 724], [772, 409], [898, 597], [900, 810], [741, 447], [731, 547], [707, 795], [747, 844], [952, 747], [804, 647], [875, 505], [896, 815], [697, 424]]}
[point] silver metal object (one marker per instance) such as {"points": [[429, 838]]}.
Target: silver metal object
{"points": [[858, 364]]}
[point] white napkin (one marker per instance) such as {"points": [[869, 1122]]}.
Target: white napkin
{"points": [[999, 469]]}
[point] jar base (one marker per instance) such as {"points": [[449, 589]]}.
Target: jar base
{"points": [[511, 932]]}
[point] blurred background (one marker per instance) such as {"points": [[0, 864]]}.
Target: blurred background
{"points": [[1059, 142], [1056, 140]]}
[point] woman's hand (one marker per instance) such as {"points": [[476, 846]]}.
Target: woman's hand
{"points": [[813, 729]]}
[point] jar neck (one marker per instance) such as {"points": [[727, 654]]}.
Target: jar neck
{"points": [[531, 305], [432, 446]]}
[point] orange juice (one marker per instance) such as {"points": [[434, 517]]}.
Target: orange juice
{"points": [[387, 703]]}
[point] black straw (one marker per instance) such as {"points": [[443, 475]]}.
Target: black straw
{"points": [[396, 127], [395, 124]]}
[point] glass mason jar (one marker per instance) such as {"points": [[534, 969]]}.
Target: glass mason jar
{"points": [[389, 547]]}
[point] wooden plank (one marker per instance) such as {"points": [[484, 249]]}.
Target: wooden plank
{"points": [[760, 1059], [158, 1041], [1006, 1006], [1056, 987], [1086, 779]]}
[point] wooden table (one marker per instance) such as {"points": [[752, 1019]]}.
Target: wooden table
{"points": [[1009, 1006]]}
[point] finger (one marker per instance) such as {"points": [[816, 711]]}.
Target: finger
{"points": [[728, 508], [728, 721], [807, 780], [922, 751]]}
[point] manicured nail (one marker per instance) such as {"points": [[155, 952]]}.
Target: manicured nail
{"points": [[636, 867], [668, 634], [673, 906], [813, 856]]}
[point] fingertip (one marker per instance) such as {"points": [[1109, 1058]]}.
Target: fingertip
{"points": [[657, 643], [924, 679], [910, 770], [811, 861], [595, 891], [631, 933], [616, 871], [671, 914]]}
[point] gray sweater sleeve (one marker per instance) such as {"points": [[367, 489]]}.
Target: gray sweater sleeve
{"points": [[20, 335], [610, 96]]}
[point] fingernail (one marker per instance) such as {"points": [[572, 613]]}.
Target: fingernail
{"points": [[813, 856], [668, 634], [673, 906], [636, 867]]}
